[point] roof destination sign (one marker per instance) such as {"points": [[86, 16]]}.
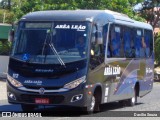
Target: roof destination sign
{"points": [[76, 27]]}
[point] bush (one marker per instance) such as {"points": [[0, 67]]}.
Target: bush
{"points": [[9, 16], [157, 48], [5, 47]]}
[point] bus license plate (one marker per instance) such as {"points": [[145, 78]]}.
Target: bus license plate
{"points": [[42, 100]]}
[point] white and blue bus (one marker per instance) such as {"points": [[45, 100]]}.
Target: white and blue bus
{"points": [[80, 58]]}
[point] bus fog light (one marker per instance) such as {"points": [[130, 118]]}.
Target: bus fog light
{"points": [[76, 98], [12, 96]]}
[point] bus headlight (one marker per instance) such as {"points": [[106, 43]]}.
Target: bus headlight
{"points": [[75, 83], [14, 82]]}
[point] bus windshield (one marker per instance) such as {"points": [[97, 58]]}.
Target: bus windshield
{"points": [[51, 42]]}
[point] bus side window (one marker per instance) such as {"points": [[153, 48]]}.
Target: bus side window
{"points": [[109, 48], [145, 45], [115, 41], [127, 40], [138, 43], [148, 40], [104, 33], [150, 33], [96, 52]]}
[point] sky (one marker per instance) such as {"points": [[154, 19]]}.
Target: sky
{"points": [[138, 7]]}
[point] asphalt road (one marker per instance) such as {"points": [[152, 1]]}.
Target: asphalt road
{"points": [[148, 105]]}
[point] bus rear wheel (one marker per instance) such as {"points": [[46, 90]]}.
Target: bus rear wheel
{"points": [[132, 101], [27, 107]]}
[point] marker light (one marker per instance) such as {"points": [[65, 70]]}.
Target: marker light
{"points": [[14, 82], [75, 83], [11, 95], [76, 98]]}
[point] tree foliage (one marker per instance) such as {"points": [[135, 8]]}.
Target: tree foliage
{"points": [[157, 49], [4, 47], [21, 7], [150, 11]]}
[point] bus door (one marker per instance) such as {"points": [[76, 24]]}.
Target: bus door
{"points": [[97, 66]]}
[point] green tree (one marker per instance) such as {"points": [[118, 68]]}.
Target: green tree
{"points": [[157, 49], [150, 11], [4, 47], [122, 6], [6, 13], [6, 16]]}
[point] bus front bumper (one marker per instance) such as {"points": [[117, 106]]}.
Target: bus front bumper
{"points": [[75, 98]]}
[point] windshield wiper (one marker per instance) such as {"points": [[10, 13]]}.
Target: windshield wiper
{"points": [[45, 42], [55, 52], [52, 48], [45, 45]]}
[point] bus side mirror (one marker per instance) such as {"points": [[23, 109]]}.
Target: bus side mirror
{"points": [[11, 35], [99, 38]]}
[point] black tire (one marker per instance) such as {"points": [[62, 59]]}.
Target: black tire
{"points": [[27, 107], [94, 105], [132, 101], [98, 101]]}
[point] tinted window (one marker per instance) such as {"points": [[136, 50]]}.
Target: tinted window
{"points": [[138, 43], [115, 48], [128, 42], [98, 50], [46, 42], [148, 39]]}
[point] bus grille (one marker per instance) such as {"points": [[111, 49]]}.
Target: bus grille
{"points": [[46, 88]]}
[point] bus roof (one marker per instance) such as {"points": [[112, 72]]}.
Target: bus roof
{"points": [[84, 15]]}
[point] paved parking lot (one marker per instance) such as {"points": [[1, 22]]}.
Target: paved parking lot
{"points": [[150, 103], [3, 95]]}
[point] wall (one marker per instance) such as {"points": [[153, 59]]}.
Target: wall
{"points": [[3, 65], [4, 31]]}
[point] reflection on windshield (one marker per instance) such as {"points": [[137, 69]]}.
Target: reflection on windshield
{"points": [[68, 39]]}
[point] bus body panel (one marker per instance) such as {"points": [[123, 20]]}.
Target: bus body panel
{"points": [[119, 78]]}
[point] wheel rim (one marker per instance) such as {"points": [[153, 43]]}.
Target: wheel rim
{"points": [[92, 105], [133, 100]]}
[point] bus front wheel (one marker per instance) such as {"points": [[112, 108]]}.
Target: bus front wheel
{"points": [[94, 105]]}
